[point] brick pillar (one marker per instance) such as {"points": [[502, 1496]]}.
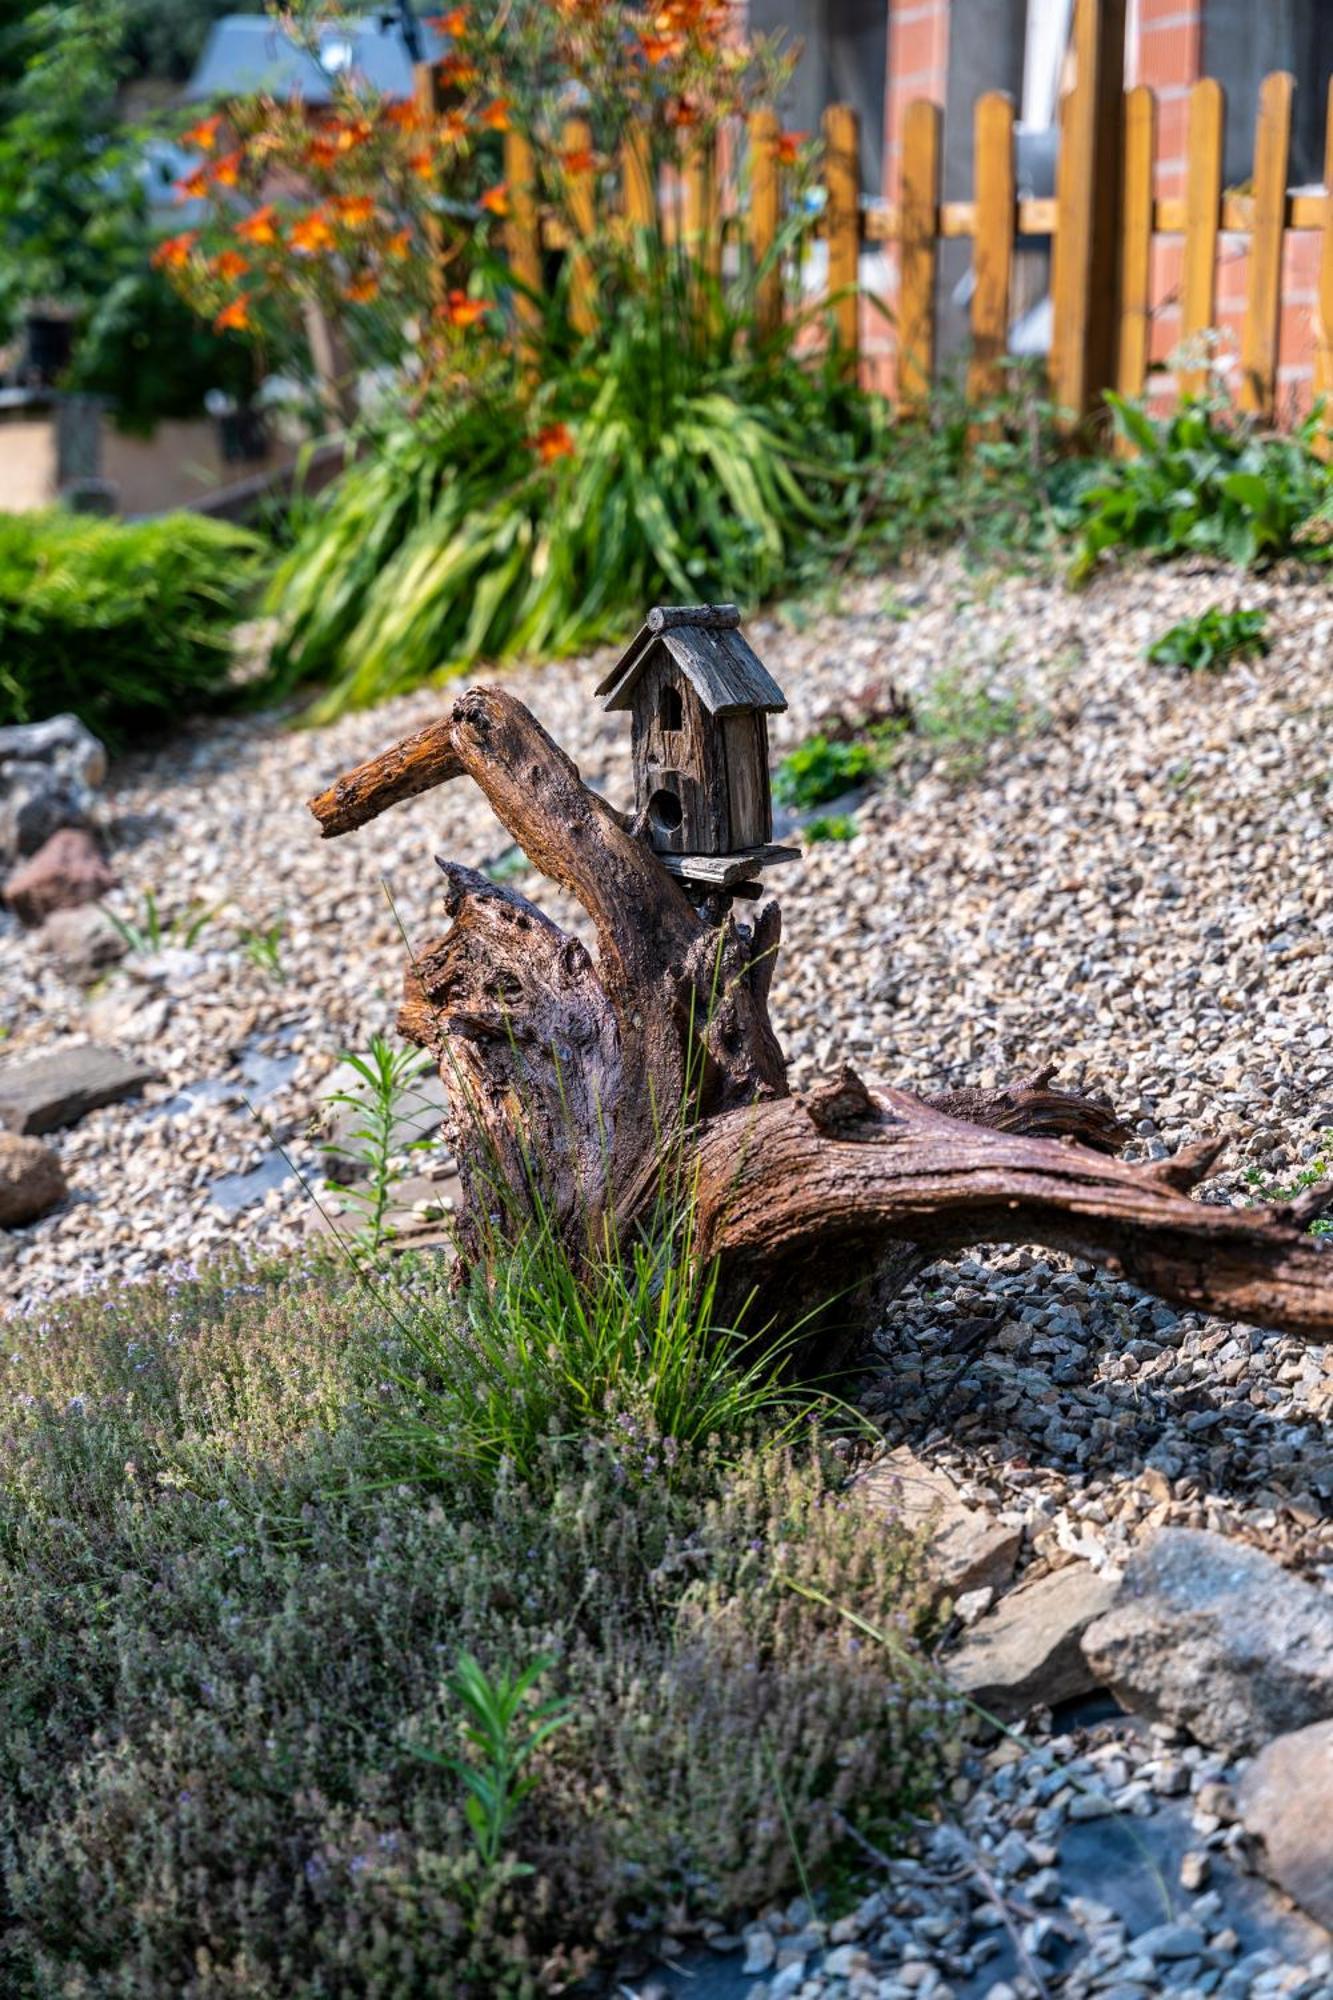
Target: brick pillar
{"points": [[918, 66]]}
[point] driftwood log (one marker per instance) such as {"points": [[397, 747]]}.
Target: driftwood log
{"points": [[589, 1075]]}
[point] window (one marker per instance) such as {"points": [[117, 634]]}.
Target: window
{"points": [[670, 712]]}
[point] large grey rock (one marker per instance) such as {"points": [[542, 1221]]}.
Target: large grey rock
{"points": [[966, 1548], [1217, 1638], [1027, 1650], [420, 1113], [66, 872], [31, 1180], [1286, 1798], [49, 772], [45, 1092]]}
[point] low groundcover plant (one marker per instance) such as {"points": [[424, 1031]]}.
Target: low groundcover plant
{"points": [[234, 1644]]}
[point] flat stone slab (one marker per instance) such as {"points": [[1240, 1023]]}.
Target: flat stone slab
{"points": [[1027, 1650], [1216, 1637], [42, 1093], [966, 1549]]}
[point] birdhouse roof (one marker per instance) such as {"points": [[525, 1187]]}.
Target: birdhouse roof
{"points": [[706, 643]]}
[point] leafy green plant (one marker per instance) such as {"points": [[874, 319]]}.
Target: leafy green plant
{"points": [[123, 623], [833, 826], [822, 768], [503, 1732], [146, 932], [387, 1076], [1202, 481], [1311, 1175], [263, 948], [1210, 641]]}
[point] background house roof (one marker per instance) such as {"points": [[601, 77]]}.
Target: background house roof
{"points": [[248, 52]]}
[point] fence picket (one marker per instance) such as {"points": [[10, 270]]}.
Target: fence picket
{"points": [[523, 231], [1083, 349], [579, 179], [765, 215], [842, 209], [993, 245], [636, 166], [1263, 304], [1323, 330], [1136, 199], [1203, 211], [917, 220]]}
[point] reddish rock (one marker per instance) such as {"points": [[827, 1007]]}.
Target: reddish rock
{"points": [[31, 1180], [67, 871]]}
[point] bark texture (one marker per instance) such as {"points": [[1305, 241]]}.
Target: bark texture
{"points": [[584, 1075]]}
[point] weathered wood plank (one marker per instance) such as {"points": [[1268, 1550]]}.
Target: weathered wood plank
{"points": [[745, 753], [1263, 303], [723, 871], [1085, 314]]}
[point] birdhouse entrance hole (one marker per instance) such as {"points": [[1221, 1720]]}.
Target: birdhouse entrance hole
{"points": [[664, 807], [670, 711]]}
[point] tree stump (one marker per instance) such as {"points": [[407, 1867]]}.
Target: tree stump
{"points": [[577, 1081]]}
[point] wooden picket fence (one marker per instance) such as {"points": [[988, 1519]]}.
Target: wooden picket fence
{"points": [[1102, 224]]}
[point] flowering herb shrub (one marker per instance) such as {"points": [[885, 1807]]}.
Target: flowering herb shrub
{"points": [[232, 1618]]}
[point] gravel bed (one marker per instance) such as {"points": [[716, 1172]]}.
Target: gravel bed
{"points": [[1133, 884]]}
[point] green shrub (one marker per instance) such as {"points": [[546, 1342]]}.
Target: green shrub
{"points": [[1201, 482], [821, 769], [122, 623], [227, 1630], [1211, 641], [831, 826]]}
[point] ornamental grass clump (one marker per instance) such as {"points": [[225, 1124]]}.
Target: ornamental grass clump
{"points": [[243, 1660]]}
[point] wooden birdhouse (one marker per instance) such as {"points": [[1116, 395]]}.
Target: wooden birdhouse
{"points": [[700, 698]]}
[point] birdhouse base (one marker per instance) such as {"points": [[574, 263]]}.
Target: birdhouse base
{"points": [[727, 872]]}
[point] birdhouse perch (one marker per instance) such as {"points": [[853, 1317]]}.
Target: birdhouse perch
{"points": [[699, 698]]}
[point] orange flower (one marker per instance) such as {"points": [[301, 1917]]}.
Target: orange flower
{"points": [[227, 172], [235, 318], [453, 128], [579, 160], [495, 116], [555, 441], [462, 311], [174, 251], [399, 244], [403, 115], [312, 233], [354, 211], [452, 23], [204, 135], [194, 186], [423, 164], [657, 48], [456, 72], [259, 227], [355, 134], [364, 287], [322, 151], [789, 147], [682, 113], [496, 199], [229, 264]]}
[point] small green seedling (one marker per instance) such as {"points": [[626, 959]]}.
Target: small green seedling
{"points": [[1211, 641], [831, 826], [147, 932], [387, 1075], [1308, 1176], [264, 948], [822, 769], [503, 1730]]}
